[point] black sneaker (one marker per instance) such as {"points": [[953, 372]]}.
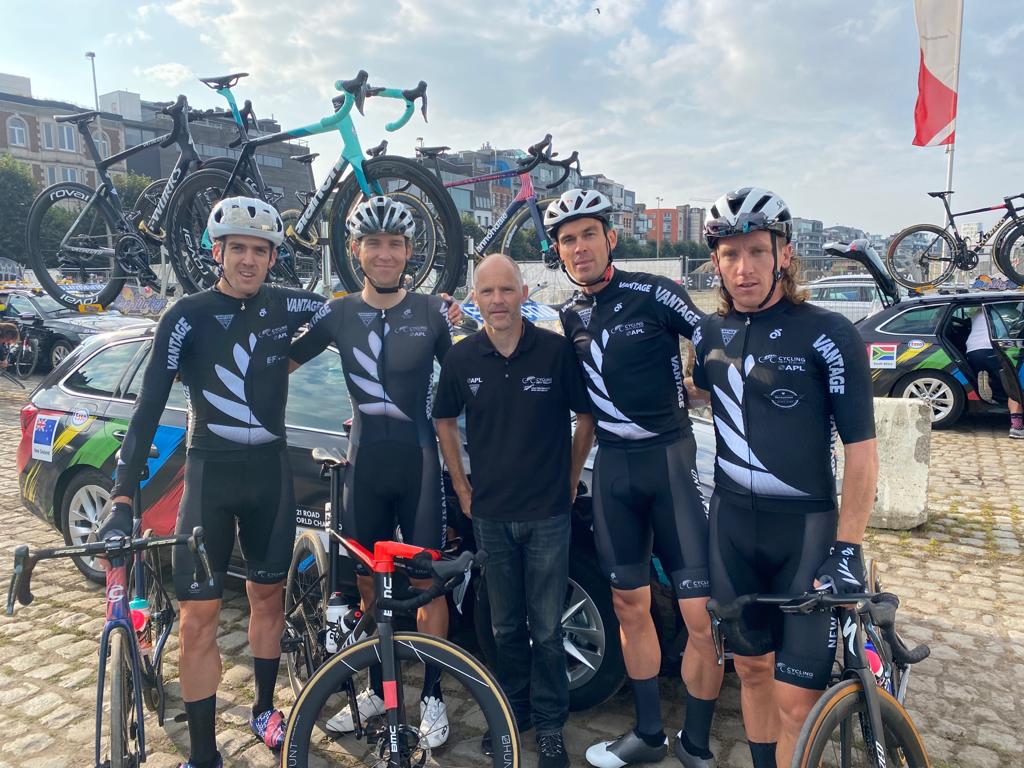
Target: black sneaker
{"points": [[485, 744], [551, 751], [687, 758], [628, 748]]}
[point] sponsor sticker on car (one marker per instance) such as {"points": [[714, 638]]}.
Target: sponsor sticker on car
{"points": [[882, 355], [917, 344]]}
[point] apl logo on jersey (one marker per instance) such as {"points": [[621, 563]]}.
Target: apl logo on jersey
{"points": [[474, 384], [367, 317], [727, 335]]}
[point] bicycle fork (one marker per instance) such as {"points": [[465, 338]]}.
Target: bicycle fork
{"points": [[854, 662]]}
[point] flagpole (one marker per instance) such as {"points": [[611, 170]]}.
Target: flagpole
{"points": [[956, 88]]}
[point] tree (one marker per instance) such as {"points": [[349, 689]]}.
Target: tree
{"points": [[17, 189], [129, 187]]}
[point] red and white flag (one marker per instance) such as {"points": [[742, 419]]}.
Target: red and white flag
{"points": [[939, 24]]}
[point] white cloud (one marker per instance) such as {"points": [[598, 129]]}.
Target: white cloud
{"points": [[170, 74], [136, 35]]}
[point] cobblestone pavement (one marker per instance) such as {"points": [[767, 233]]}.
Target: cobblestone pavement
{"points": [[960, 577]]}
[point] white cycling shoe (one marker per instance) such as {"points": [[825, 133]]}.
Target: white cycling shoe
{"points": [[433, 722], [370, 705]]}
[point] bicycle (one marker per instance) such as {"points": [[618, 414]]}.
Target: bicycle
{"points": [[918, 250], [23, 356], [438, 233], [524, 211], [859, 701], [134, 635]]}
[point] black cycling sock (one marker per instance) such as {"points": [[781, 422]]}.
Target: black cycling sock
{"points": [[762, 753], [648, 709], [265, 673], [377, 680], [431, 682], [697, 726], [202, 718]]}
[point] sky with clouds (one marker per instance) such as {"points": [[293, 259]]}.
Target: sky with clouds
{"points": [[678, 98]]}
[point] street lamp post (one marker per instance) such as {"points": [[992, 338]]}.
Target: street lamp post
{"points": [[95, 93], [657, 231]]}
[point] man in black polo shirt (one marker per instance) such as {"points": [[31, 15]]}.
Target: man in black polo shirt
{"points": [[517, 384]]}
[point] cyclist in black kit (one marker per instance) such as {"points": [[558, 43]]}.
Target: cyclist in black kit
{"points": [[784, 378], [230, 347], [625, 327], [388, 339]]}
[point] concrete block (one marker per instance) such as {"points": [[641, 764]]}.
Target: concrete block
{"points": [[904, 431]]}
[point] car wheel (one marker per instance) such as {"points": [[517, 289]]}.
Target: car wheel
{"points": [[80, 509], [943, 394], [61, 348], [590, 634]]}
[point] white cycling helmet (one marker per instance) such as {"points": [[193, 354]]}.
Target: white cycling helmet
{"points": [[576, 204], [246, 216], [748, 209], [381, 214]]}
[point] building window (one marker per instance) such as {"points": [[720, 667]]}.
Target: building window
{"points": [[49, 140], [52, 174], [17, 132], [69, 174], [102, 146], [66, 137]]}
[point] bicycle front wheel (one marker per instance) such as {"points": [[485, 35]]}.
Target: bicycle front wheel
{"points": [[921, 256], [27, 357], [438, 261], [72, 234], [124, 731], [469, 689], [1009, 254], [522, 240], [305, 609], [835, 734]]}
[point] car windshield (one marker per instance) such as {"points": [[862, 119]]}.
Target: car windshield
{"points": [[53, 308]]}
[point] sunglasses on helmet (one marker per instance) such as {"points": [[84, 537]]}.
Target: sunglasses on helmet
{"points": [[745, 222]]}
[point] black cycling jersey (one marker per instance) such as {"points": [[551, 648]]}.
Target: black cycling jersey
{"points": [[783, 381], [627, 339], [232, 357], [388, 357]]}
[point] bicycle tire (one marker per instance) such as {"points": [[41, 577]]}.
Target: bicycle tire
{"points": [[190, 208], [442, 256], [309, 621], [845, 704], [161, 617], [27, 358], [459, 666], [123, 729], [39, 241], [1008, 254], [899, 271], [519, 221]]}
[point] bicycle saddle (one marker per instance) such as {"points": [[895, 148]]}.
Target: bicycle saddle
{"points": [[224, 81], [81, 117], [307, 159], [940, 194], [329, 456], [431, 152]]}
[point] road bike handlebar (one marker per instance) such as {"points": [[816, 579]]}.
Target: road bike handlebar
{"points": [[566, 166], [536, 154], [409, 96], [354, 90], [113, 547], [175, 112], [447, 575], [879, 607]]}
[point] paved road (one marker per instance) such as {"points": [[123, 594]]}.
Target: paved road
{"points": [[960, 576]]}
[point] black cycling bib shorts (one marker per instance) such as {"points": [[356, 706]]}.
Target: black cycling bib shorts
{"points": [[784, 383], [232, 357], [394, 473], [626, 337]]}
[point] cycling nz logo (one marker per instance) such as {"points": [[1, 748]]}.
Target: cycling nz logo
{"points": [[474, 384], [727, 335], [585, 316]]}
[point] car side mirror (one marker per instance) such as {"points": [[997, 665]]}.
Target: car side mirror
{"points": [[27, 317], [347, 427]]}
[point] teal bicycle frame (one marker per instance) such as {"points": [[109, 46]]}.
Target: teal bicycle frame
{"points": [[351, 155]]}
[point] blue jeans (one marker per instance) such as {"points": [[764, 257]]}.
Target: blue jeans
{"points": [[527, 573]]}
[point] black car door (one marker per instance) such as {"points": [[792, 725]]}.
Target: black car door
{"points": [[1006, 327]]}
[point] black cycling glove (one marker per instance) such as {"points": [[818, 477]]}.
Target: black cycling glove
{"points": [[843, 569], [115, 520]]}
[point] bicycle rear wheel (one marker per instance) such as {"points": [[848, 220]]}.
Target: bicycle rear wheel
{"points": [[191, 250], [26, 357], [469, 688], [921, 256], [124, 730], [521, 240], [305, 609], [1009, 254], [834, 734], [438, 261], [73, 231]]}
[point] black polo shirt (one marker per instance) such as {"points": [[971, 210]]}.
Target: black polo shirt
{"points": [[517, 420]]}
